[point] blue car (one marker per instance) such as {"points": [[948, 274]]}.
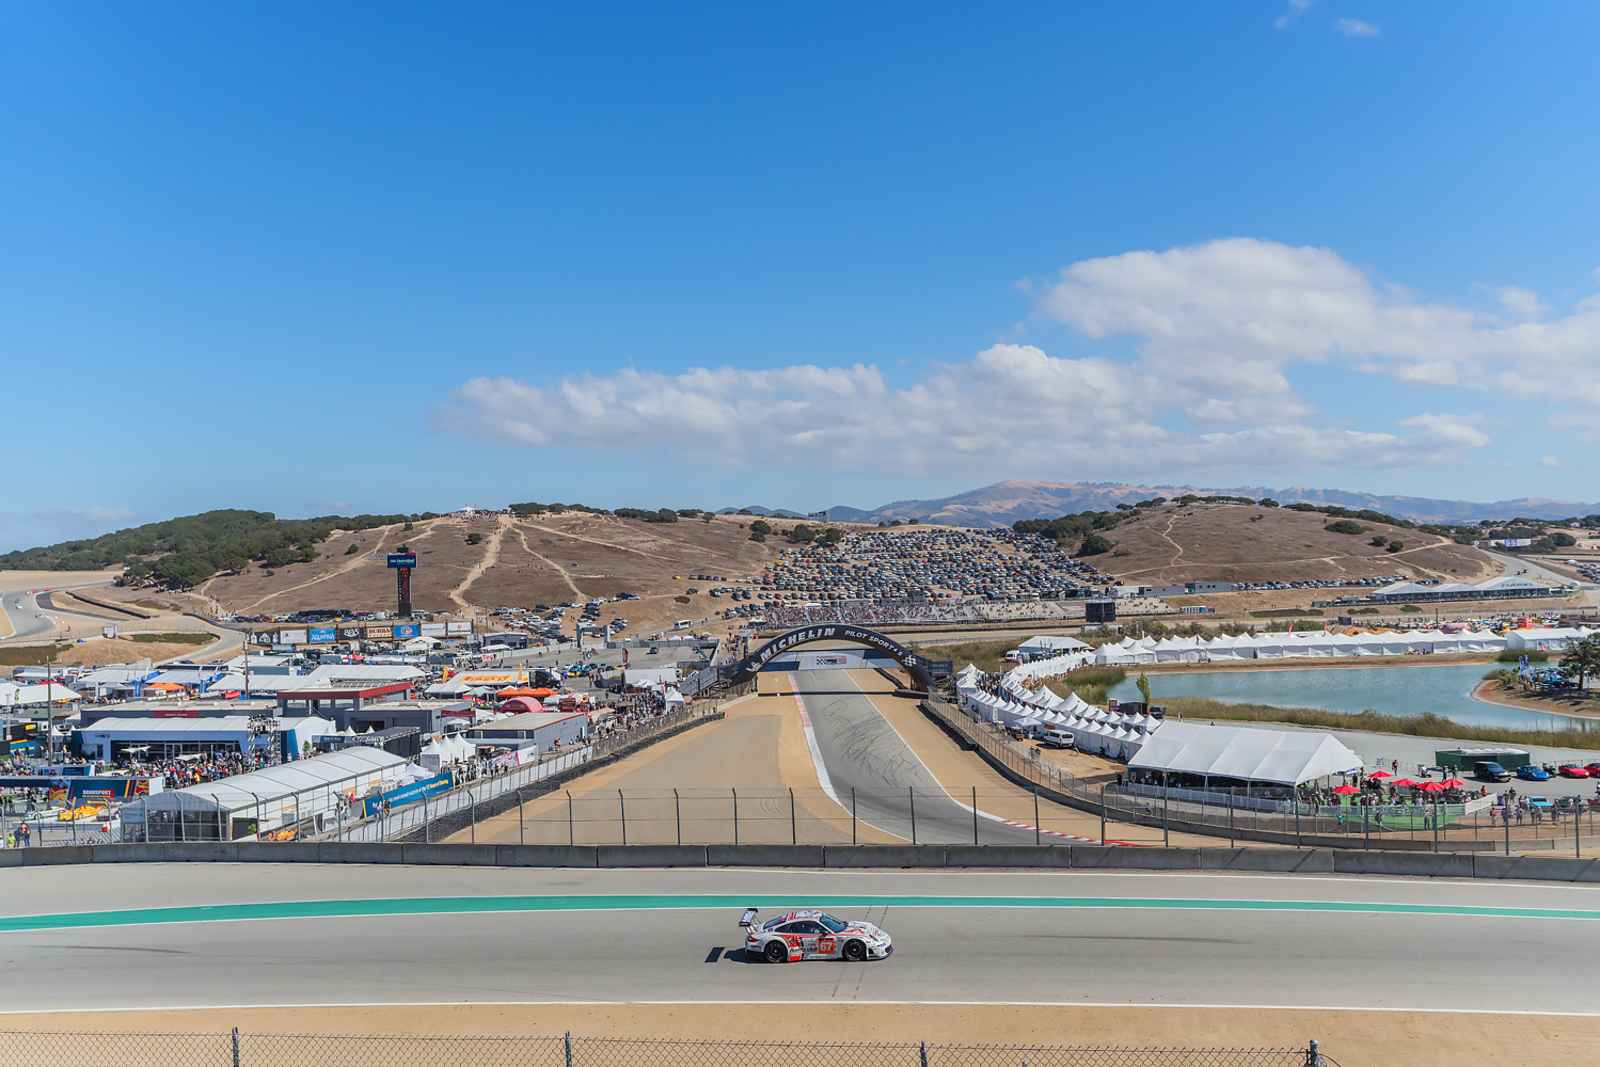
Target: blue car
{"points": [[1529, 773]]}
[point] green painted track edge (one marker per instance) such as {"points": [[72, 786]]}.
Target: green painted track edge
{"points": [[454, 905]]}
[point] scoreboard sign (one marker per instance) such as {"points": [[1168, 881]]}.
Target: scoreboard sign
{"points": [[402, 559]]}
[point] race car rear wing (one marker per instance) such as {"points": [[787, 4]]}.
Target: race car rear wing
{"points": [[748, 919]]}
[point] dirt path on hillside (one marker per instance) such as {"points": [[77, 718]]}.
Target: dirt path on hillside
{"points": [[344, 568], [566, 575], [652, 556], [491, 556]]}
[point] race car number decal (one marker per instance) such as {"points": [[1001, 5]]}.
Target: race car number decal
{"points": [[825, 945]]}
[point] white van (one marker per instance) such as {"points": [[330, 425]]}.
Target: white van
{"points": [[683, 624], [1052, 737]]}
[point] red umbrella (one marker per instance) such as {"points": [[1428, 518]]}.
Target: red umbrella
{"points": [[1380, 774], [1403, 783], [1452, 783], [1345, 790], [1429, 787]]}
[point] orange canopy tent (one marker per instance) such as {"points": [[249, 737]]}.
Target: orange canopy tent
{"points": [[165, 687], [541, 692], [517, 691]]}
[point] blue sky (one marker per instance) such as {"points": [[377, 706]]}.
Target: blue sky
{"points": [[316, 258]]}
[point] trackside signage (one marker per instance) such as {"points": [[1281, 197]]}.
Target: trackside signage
{"points": [[833, 632]]}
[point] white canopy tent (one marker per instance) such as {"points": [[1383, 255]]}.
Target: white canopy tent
{"points": [[1279, 757]]}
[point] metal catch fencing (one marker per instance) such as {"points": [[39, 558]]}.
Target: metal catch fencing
{"points": [[236, 1049], [1221, 814]]}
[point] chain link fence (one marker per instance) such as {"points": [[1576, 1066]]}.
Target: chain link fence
{"points": [[236, 1049]]}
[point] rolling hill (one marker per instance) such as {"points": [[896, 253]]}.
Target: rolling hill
{"points": [[1004, 503]]}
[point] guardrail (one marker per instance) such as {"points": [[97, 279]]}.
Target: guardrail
{"points": [[1319, 861]]}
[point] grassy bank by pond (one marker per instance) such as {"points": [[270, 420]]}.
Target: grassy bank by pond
{"points": [[1373, 722]]}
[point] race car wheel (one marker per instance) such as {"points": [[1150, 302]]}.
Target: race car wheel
{"points": [[855, 951], [776, 952]]}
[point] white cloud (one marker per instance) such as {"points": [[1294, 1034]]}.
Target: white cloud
{"points": [[1227, 318], [1549, 461], [1013, 408], [1295, 9], [1523, 303], [1448, 430], [1356, 28]]}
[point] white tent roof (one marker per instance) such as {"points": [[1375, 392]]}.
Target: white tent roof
{"points": [[1282, 757]]}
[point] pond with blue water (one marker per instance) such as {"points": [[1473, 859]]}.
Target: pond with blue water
{"points": [[1406, 692]]}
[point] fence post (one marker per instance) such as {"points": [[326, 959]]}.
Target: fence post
{"points": [[1577, 825], [1366, 826], [235, 1044], [622, 809], [566, 1048], [1037, 829], [912, 792], [1505, 817], [1230, 817], [853, 815], [1436, 824], [522, 822], [974, 815], [571, 836], [1102, 815], [1297, 842], [1166, 834], [145, 807], [735, 793], [677, 814], [794, 830]]}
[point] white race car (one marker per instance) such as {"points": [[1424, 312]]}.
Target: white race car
{"points": [[812, 935]]}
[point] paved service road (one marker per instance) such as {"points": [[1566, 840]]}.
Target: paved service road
{"points": [[862, 752], [1067, 937], [28, 618]]}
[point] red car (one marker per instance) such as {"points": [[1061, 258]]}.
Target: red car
{"points": [[1573, 770], [1593, 769]]}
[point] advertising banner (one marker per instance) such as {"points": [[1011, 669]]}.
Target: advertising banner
{"points": [[405, 630], [407, 794], [456, 629], [267, 639], [352, 633], [378, 632], [433, 629], [292, 637], [323, 635], [402, 559]]}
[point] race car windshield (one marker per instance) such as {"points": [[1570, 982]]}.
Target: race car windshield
{"points": [[834, 925]]}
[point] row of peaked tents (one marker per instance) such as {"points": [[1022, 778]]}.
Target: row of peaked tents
{"points": [[1295, 644], [1014, 706], [1147, 743]]}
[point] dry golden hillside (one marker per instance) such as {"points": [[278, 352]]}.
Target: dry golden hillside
{"points": [[1233, 542]]}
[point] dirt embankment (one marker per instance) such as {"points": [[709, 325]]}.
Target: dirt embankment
{"points": [[1416, 1038]]}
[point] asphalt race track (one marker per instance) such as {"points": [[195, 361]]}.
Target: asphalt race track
{"points": [[862, 752], [1063, 937]]}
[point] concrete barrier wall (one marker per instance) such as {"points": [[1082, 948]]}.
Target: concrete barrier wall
{"points": [[835, 857]]}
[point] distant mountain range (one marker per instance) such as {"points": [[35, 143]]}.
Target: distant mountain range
{"points": [[1004, 503]]}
